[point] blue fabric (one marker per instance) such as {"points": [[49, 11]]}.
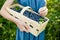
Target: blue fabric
{"points": [[35, 5]]}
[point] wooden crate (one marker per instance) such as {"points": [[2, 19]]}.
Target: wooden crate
{"points": [[35, 27]]}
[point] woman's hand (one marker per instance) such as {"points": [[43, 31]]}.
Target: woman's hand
{"points": [[3, 12], [43, 11], [22, 26]]}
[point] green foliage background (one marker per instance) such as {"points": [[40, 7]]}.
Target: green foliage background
{"points": [[8, 28]]}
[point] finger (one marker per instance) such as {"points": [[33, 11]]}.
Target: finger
{"points": [[24, 29], [20, 28], [44, 13], [42, 9], [27, 28]]}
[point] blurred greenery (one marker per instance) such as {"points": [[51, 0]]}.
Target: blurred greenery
{"points": [[8, 28]]}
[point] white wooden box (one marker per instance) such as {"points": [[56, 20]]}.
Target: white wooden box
{"points": [[36, 28]]}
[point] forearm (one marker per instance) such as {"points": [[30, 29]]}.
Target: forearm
{"points": [[7, 3], [5, 14]]}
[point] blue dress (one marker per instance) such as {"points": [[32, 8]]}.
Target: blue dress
{"points": [[35, 5]]}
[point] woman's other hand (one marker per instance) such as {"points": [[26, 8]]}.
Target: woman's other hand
{"points": [[43, 11]]}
